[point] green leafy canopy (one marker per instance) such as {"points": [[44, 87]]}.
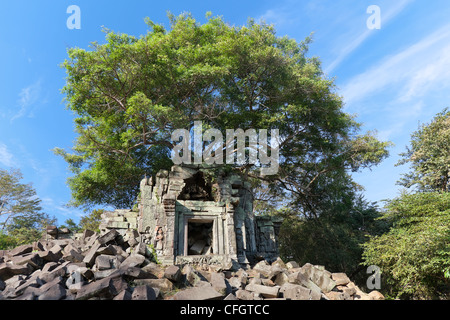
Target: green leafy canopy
{"points": [[130, 93]]}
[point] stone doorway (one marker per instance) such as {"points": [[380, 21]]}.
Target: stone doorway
{"points": [[200, 237]]}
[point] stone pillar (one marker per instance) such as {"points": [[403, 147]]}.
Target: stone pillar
{"points": [[146, 216], [169, 245]]}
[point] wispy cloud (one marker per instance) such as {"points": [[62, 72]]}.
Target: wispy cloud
{"points": [[6, 157], [60, 210], [28, 96], [413, 71], [361, 34]]}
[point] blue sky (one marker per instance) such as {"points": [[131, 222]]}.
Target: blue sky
{"points": [[392, 78]]}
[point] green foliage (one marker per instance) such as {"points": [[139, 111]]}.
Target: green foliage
{"points": [[20, 207], [71, 225], [429, 155], [17, 200], [334, 238], [414, 256], [92, 221], [7, 242], [129, 94]]}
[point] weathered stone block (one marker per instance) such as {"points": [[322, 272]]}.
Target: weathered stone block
{"points": [[247, 295], [33, 259], [297, 292], [376, 295], [218, 282], [267, 292], [123, 295], [24, 249], [173, 273], [90, 256], [143, 292], [8, 270], [341, 279], [198, 293], [162, 284], [56, 292], [106, 288], [292, 264], [108, 237], [134, 260]]}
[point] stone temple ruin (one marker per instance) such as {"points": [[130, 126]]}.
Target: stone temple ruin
{"points": [[191, 218]]}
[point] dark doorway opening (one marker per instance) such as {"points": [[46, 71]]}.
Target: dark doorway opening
{"points": [[200, 237]]}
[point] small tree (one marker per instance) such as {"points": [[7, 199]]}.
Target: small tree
{"points": [[429, 156], [414, 256], [17, 200]]}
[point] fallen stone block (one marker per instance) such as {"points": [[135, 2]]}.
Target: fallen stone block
{"points": [[191, 276], [56, 292], [162, 284], [267, 292], [123, 295], [173, 273], [103, 262], [59, 271], [104, 288], [281, 279], [231, 297], [298, 278], [197, 247], [323, 280], [73, 256], [33, 259], [376, 295], [108, 237], [292, 264], [198, 293], [21, 250], [263, 268], [297, 292], [8, 270], [49, 256], [90, 256], [136, 273], [235, 283], [133, 260], [333, 295], [218, 282], [243, 294], [143, 292], [31, 282], [341, 279]]}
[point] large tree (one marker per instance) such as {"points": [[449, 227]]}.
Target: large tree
{"points": [[129, 94]]}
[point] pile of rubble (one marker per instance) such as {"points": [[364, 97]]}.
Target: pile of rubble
{"points": [[121, 267]]}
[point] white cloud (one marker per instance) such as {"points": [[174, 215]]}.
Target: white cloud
{"points": [[359, 35], [413, 72], [403, 89], [6, 158], [28, 96]]}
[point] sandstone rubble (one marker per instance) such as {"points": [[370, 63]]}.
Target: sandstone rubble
{"points": [[112, 266]]}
